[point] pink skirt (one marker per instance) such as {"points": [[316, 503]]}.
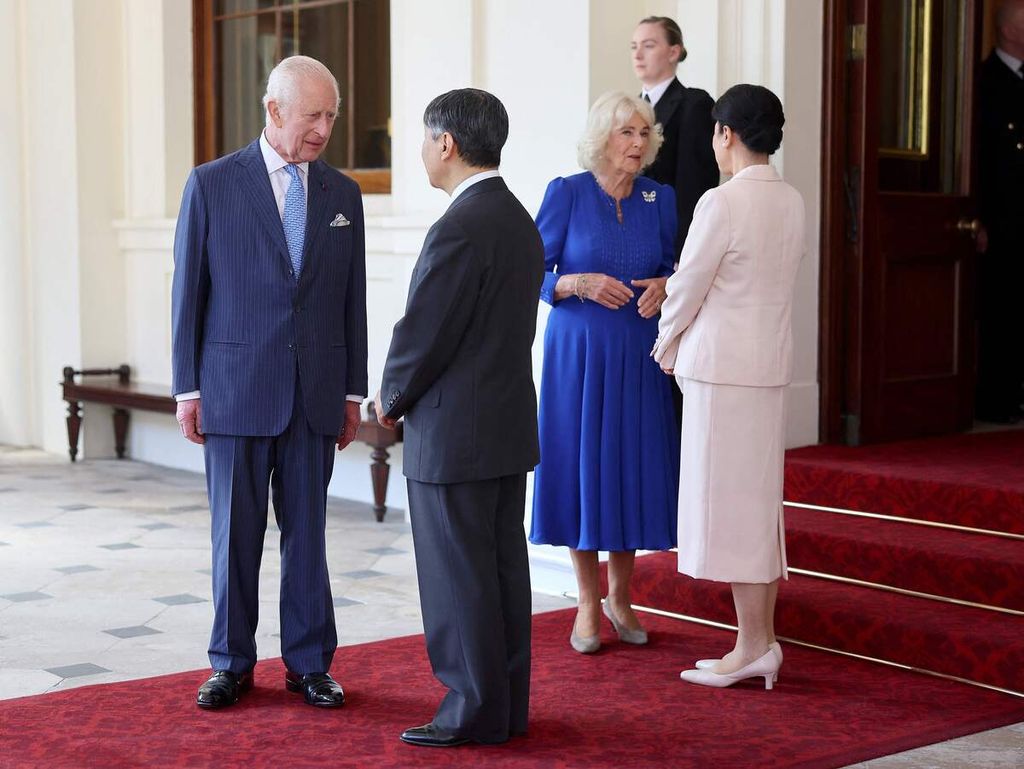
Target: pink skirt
{"points": [[731, 525]]}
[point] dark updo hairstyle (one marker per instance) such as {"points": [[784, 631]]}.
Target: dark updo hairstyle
{"points": [[673, 34], [753, 113]]}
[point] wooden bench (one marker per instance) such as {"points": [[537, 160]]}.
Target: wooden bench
{"points": [[113, 387]]}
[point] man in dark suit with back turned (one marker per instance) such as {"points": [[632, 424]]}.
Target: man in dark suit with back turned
{"points": [[460, 371], [269, 359], [1001, 189]]}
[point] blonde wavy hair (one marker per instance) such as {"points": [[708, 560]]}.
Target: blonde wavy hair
{"points": [[610, 112]]}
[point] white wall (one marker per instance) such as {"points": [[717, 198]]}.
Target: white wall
{"points": [[16, 365], [50, 195]]}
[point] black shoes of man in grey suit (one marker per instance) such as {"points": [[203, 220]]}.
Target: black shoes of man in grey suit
{"points": [[429, 736]]}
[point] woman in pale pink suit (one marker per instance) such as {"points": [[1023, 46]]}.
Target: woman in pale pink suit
{"points": [[725, 333]]}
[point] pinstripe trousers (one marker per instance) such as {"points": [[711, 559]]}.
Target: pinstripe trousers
{"points": [[240, 471]]}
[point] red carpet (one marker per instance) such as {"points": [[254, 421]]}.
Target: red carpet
{"points": [[969, 567], [624, 707], [972, 480]]}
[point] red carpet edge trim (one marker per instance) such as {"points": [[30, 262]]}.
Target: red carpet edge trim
{"points": [[900, 519], [887, 663], [904, 591]]}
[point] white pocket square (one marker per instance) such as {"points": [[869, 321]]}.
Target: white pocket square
{"points": [[340, 221]]}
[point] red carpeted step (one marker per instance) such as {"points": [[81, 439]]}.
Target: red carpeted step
{"points": [[976, 644], [971, 567], [972, 480]]}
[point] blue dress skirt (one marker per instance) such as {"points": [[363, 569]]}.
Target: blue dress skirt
{"points": [[608, 475]]}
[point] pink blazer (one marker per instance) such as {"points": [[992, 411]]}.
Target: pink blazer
{"points": [[727, 318]]}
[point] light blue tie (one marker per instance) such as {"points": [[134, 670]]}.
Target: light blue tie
{"points": [[294, 218]]}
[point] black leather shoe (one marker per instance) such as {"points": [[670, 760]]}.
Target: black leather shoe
{"points": [[319, 689], [223, 688], [428, 736]]}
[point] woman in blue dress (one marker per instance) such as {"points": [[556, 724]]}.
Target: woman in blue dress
{"points": [[609, 468]]}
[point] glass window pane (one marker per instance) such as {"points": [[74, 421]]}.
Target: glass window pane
{"points": [[323, 34], [904, 63], [246, 49], [921, 90], [372, 97], [226, 7]]}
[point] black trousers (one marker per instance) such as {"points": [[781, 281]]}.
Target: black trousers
{"points": [[474, 580], [1000, 331]]}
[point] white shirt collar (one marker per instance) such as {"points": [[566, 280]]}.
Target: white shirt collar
{"points": [[274, 161], [470, 181], [1010, 61], [655, 93]]}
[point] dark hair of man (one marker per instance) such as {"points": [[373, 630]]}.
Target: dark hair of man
{"points": [[673, 34], [753, 113], [476, 120]]}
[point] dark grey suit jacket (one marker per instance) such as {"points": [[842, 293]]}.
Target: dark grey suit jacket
{"points": [[460, 367], [686, 161]]}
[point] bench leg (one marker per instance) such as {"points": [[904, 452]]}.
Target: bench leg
{"points": [[120, 431], [379, 472], [74, 425]]}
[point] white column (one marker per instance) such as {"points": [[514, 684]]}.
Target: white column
{"points": [[50, 195], [431, 52], [803, 63], [16, 377], [99, 131], [158, 153], [699, 22], [144, 104]]}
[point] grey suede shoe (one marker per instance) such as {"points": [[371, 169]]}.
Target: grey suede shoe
{"points": [[584, 645], [637, 637]]}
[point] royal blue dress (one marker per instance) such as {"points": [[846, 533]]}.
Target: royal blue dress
{"points": [[609, 440]]}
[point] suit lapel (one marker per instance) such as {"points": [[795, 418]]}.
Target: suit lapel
{"points": [[669, 102], [316, 207], [256, 183]]}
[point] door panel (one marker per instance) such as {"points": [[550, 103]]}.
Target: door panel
{"points": [[908, 302]]}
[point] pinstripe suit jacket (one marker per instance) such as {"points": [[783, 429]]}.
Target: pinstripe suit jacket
{"points": [[242, 325]]}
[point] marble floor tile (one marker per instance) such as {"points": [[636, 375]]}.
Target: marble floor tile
{"points": [[131, 632], [79, 669], [21, 597]]}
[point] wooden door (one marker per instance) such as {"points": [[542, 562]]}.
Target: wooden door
{"points": [[898, 252]]}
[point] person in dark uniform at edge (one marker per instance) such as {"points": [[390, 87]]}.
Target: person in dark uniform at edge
{"points": [[686, 160], [1000, 242]]}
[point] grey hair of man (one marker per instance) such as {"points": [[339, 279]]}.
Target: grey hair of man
{"points": [[476, 120], [609, 113], [283, 81]]}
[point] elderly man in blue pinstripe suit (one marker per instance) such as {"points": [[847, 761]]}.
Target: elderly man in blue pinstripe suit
{"points": [[269, 360]]}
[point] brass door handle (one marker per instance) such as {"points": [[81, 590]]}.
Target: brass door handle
{"points": [[972, 226]]}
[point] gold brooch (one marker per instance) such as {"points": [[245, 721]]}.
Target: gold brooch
{"points": [[650, 197]]}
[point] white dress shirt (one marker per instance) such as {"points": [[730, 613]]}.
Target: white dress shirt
{"points": [[471, 180], [1010, 61], [279, 182], [655, 93], [279, 178]]}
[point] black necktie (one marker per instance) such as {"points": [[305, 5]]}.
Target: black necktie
{"points": [[647, 97]]}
